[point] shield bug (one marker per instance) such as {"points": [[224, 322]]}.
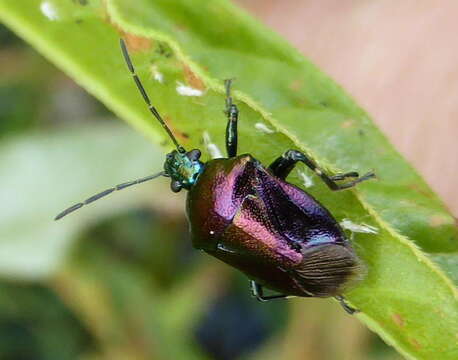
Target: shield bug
{"points": [[251, 218]]}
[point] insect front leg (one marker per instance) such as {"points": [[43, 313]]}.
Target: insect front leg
{"points": [[283, 165], [258, 292], [232, 113]]}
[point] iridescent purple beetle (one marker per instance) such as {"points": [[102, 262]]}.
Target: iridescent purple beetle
{"points": [[249, 217]]}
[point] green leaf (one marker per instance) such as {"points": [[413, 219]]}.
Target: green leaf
{"points": [[285, 102], [449, 263], [44, 173]]}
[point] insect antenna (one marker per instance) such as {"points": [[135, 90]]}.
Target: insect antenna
{"points": [[146, 97], [106, 192]]}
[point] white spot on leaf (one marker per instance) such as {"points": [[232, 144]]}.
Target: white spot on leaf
{"points": [[49, 10], [157, 75], [358, 228], [306, 180], [185, 90], [263, 128], [213, 150]]}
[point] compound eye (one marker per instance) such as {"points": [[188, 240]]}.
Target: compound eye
{"points": [[194, 155], [175, 186]]}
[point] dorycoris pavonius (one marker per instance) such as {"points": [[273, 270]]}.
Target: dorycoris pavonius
{"points": [[248, 216]]}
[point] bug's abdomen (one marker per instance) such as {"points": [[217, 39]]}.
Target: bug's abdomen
{"points": [[253, 245], [272, 231]]}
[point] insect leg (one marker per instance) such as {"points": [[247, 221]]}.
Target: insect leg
{"points": [[283, 165], [232, 116], [345, 306], [258, 292]]}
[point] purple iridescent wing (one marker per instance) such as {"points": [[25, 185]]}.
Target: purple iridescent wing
{"points": [[217, 196], [271, 237], [262, 238], [297, 215], [252, 244], [328, 263]]}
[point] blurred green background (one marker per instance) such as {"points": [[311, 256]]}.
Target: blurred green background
{"points": [[120, 279]]}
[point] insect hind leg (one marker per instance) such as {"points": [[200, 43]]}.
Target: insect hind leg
{"points": [[282, 166]]}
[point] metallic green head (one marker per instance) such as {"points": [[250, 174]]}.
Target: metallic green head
{"points": [[184, 168]]}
